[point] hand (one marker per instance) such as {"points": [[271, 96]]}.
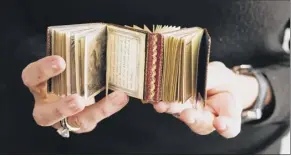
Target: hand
{"points": [[49, 109], [227, 95]]}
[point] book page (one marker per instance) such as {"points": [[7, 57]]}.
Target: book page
{"points": [[187, 68], [95, 62], [72, 54], [177, 69], [126, 61], [77, 56], [172, 63], [63, 55], [81, 65]]}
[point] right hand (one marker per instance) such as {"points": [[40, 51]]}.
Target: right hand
{"points": [[49, 108]]}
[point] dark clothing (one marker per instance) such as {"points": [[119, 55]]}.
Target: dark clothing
{"points": [[243, 32]]}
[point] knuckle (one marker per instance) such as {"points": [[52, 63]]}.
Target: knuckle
{"points": [[77, 121], [25, 75], [74, 98], [57, 113], [105, 113], [77, 107], [40, 120], [76, 103], [41, 74]]}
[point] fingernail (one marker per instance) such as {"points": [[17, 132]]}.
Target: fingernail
{"points": [[188, 116], [118, 98], [57, 65], [191, 121], [54, 66], [113, 95], [161, 107], [222, 126]]}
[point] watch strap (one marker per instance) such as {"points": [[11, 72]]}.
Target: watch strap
{"points": [[255, 112]]}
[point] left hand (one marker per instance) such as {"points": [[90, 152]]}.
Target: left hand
{"points": [[227, 95]]}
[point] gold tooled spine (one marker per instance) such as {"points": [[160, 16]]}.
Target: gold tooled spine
{"points": [[154, 67]]}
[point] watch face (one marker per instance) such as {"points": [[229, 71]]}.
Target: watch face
{"points": [[251, 115], [242, 69]]}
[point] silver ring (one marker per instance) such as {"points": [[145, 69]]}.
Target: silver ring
{"points": [[65, 129]]}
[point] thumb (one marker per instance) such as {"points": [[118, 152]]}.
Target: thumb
{"points": [[227, 127], [228, 120]]}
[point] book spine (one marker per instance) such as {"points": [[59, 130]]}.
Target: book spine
{"points": [[48, 53], [159, 76], [154, 68], [207, 43], [48, 42]]}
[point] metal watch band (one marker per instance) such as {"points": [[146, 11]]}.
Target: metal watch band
{"points": [[255, 112]]}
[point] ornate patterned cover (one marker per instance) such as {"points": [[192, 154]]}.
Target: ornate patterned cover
{"points": [[154, 67]]}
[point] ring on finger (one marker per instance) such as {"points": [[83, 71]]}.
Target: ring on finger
{"points": [[65, 129]]}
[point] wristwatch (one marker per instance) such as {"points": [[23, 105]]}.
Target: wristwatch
{"points": [[256, 111]]}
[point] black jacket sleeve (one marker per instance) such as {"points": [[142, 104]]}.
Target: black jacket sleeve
{"points": [[278, 74]]}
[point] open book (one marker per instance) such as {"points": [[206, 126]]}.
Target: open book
{"points": [[167, 63]]}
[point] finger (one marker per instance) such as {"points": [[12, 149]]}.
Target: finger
{"points": [[227, 127], [224, 104], [47, 114], [93, 114], [90, 101], [200, 122], [40, 71], [161, 107], [228, 122], [174, 107]]}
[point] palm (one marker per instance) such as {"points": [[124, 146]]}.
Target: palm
{"points": [[221, 111]]}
